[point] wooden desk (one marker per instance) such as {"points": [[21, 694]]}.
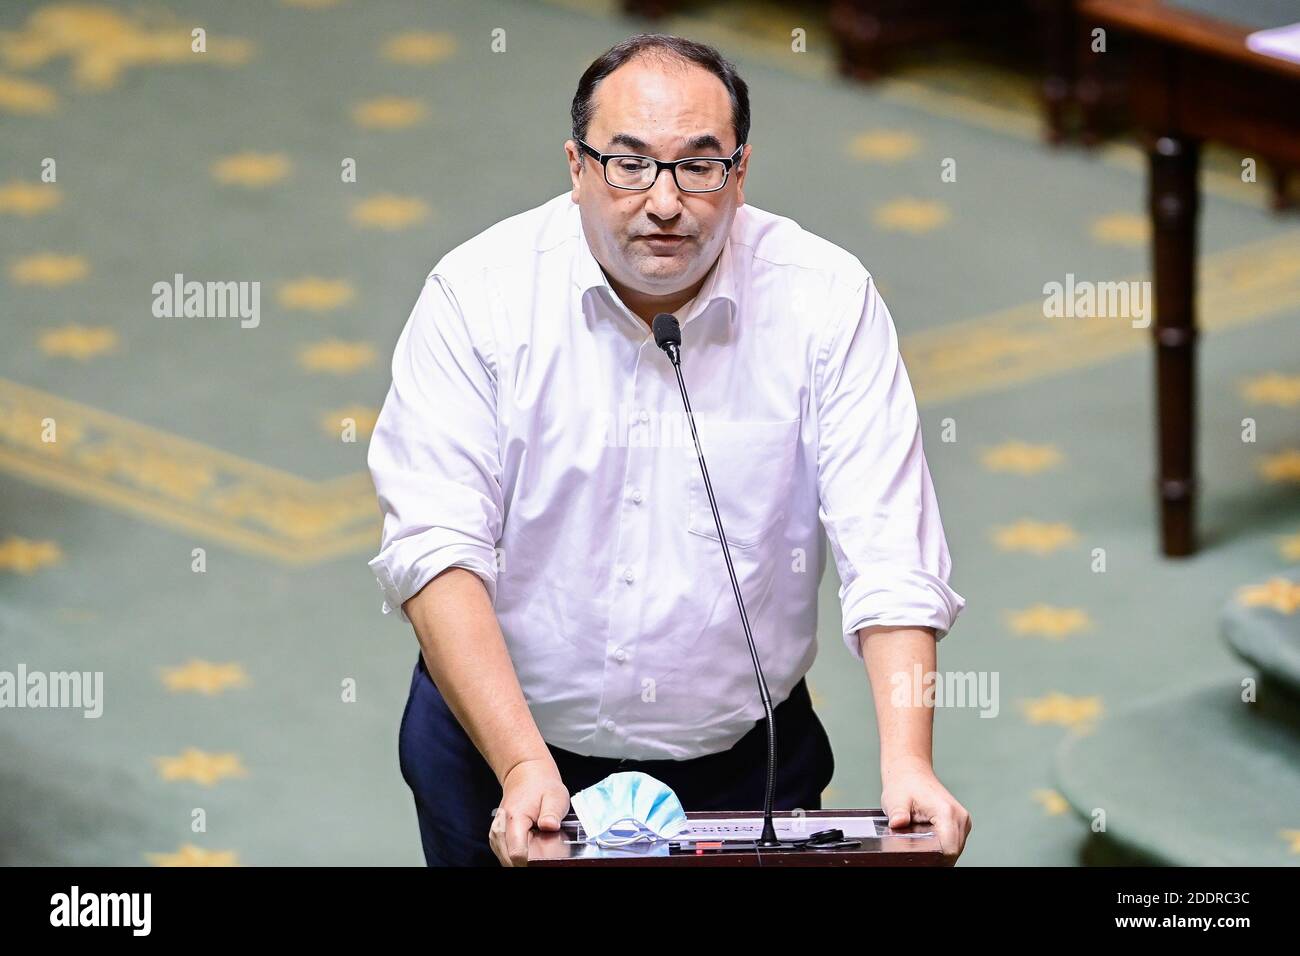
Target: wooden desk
{"points": [[1193, 79], [914, 846]]}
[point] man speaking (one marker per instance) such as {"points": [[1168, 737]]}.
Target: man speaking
{"points": [[547, 531]]}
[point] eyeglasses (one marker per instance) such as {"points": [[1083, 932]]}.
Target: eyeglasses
{"points": [[694, 174]]}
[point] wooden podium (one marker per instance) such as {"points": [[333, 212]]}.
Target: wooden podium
{"points": [[877, 844]]}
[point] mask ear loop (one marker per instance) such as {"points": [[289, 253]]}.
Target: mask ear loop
{"points": [[623, 841]]}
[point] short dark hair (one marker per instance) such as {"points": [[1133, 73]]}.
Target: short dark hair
{"points": [[663, 47]]}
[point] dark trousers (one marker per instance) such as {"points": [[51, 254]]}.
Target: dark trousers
{"points": [[456, 791]]}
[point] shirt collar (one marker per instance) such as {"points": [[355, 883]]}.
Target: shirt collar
{"points": [[719, 285]]}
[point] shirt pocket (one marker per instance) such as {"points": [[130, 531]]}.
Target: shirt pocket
{"points": [[751, 468]]}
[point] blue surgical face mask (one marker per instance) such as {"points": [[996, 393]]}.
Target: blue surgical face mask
{"points": [[627, 807]]}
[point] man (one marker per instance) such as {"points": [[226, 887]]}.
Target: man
{"points": [[546, 528]]}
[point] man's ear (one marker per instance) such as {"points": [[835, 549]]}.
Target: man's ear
{"points": [[574, 158], [742, 170]]}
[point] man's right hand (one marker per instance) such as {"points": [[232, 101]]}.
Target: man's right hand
{"points": [[466, 657], [532, 794]]}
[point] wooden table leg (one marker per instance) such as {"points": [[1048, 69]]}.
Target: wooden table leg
{"points": [[1174, 198], [1058, 37]]}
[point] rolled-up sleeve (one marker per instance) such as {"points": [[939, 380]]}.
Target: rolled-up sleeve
{"points": [[434, 455], [877, 501]]}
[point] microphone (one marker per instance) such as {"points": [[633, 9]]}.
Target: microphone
{"points": [[668, 336]]}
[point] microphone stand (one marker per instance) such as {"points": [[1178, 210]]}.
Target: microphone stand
{"points": [[668, 337]]}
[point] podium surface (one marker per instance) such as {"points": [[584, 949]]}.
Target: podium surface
{"points": [[878, 845]]}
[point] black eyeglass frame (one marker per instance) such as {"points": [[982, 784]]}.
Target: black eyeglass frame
{"points": [[603, 158]]}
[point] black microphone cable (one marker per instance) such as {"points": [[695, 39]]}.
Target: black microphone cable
{"points": [[668, 336]]}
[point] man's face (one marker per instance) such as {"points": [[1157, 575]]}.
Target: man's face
{"points": [[666, 112]]}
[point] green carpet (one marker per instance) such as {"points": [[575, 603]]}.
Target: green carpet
{"points": [[177, 434], [1230, 780], [1263, 630]]}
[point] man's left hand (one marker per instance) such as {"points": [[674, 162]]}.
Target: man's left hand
{"points": [[913, 794]]}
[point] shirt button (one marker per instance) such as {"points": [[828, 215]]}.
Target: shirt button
{"points": [[620, 655], [644, 416], [637, 496], [628, 576], [608, 725]]}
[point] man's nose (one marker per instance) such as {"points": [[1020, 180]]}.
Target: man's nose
{"points": [[663, 199]]}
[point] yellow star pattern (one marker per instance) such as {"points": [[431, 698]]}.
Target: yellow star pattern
{"points": [[1078, 713], [23, 556], [335, 355], [80, 342], [181, 478], [389, 212], [28, 199], [1279, 594], [419, 49], [1053, 623], [911, 215], [48, 269], [1293, 838], [204, 677], [101, 44], [1284, 466], [77, 614], [250, 169], [1273, 389], [1289, 546], [1122, 228], [191, 855], [26, 98], [314, 294], [1053, 803], [884, 145], [389, 112], [365, 417], [200, 767], [1037, 537], [1021, 457]]}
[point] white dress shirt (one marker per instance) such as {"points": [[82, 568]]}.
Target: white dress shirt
{"points": [[534, 434]]}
